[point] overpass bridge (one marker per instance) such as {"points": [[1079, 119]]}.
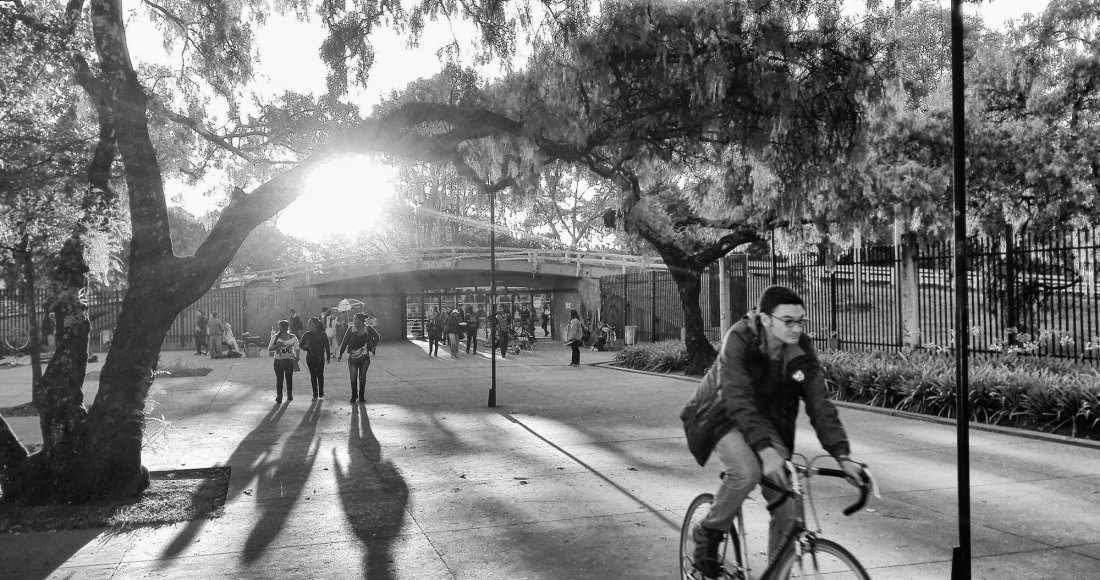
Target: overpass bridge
{"points": [[400, 288]]}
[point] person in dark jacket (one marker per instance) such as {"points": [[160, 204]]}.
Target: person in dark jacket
{"points": [[434, 329], [296, 326], [744, 412], [471, 330], [315, 343], [501, 324], [200, 331]]}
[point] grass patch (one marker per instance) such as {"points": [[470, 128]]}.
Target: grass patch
{"points": [[178, 368], [172, 496]]}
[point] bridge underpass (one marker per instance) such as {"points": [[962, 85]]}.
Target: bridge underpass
{"points": [[398, 292]]}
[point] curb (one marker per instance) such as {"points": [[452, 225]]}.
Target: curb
{"points": [[1000, 429]]}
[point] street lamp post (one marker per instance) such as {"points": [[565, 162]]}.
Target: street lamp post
{"points": [[960, 557], [493, 296]]}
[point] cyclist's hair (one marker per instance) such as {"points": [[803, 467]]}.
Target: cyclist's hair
{"points": [[284, 324], [775, 296]]}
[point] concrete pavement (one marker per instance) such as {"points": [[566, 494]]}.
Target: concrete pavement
{"points": [[578, 473]]}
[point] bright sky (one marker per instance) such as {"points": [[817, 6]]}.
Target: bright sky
{"points": [[350, 195]]}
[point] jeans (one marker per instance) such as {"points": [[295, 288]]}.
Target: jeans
{"points": [[284, 370], [358, 371], [471, 341], [742, 473], [214, 345], [575, 359], [316, 366], [502, 340], [200, 342], [452, 342], [433, 343]]}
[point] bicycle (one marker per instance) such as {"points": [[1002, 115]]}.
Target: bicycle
{"points": [[16, 339], [804, 553]]}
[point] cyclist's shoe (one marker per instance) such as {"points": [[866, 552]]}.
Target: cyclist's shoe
{"points": [[705, 558]]}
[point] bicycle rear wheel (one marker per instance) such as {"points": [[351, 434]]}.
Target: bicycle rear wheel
{"points": [[823, 560], [17, 338], [696, 511]]}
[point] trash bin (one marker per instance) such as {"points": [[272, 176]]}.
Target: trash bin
{"points": [[630, 334]]}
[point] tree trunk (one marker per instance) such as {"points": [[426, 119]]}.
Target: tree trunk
{"points": [[701, 353]]}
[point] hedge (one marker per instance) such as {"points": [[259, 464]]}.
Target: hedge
{"points": [[1023, 392]]}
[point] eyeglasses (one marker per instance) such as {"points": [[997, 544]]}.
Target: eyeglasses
{"points": [[792, 322]]}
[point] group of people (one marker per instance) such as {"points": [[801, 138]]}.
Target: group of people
{"points": [[318, 339], [215, 336], [451, 329]]}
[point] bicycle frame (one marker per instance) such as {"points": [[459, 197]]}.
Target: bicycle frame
{"points": [[800, 540]]}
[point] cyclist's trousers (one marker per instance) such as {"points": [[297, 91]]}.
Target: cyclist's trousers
{"points": [[742, 468]]}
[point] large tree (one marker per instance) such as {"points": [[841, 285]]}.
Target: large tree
{"points": [[95, 451], [714, 121]]}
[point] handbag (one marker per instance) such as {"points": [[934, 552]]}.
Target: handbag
{"points": [[357, 354], [297, 368]]}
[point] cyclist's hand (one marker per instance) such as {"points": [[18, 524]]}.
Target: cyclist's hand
{"points": [[774, 467], [853, 469]]}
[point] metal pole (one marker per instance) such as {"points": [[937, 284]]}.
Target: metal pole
{"points": [[493, 296], [960, 561], [725, 308]]}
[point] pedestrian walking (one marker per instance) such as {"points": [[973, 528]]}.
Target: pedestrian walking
{"points": [[330, 319], [284, 345], [200, 331], [214, 331], [433, 327], [355, 344], [502, 322], [315, 343], [375, 337], [472, 325], [453, 329], [545, 321], [296, 326], [573, 333]]}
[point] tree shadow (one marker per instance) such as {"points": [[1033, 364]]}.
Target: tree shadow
{"points": [[374, 496], [250, 459]]}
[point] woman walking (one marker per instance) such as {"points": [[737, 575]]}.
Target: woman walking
{"points": [[285, 347], [573, 337], [453, 331], [355, 343], [315, 343]]}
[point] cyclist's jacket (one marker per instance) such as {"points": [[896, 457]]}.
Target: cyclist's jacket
{"points": [[744, 389]]}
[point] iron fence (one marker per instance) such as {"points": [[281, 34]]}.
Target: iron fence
{"points": [[1029, 294], [650, 302], [103, 309]]}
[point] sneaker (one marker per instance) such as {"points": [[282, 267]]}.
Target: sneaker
{"points": [[705, 557]]}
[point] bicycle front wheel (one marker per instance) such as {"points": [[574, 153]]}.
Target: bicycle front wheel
{"points": [[822, 560]]}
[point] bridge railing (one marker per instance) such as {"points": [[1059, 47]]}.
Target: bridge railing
{"points": [[627, 262]]}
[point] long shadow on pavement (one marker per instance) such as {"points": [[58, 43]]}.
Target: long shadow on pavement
{"points": [[276, 511], [376, 521], [249, 460]]}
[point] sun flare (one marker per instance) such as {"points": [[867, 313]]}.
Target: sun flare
{"points": [[342, 197]]}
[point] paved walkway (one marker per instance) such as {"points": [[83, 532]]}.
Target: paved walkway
{"points": [[578, 473]]}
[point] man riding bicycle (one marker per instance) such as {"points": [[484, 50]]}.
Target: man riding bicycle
{"points": [[744, 412]]}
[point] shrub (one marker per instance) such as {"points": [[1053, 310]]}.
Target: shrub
{"points": [[666, 356], [1045, 395]]}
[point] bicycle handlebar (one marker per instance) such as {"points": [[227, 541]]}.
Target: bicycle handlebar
{"points": [[865, 485]]}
